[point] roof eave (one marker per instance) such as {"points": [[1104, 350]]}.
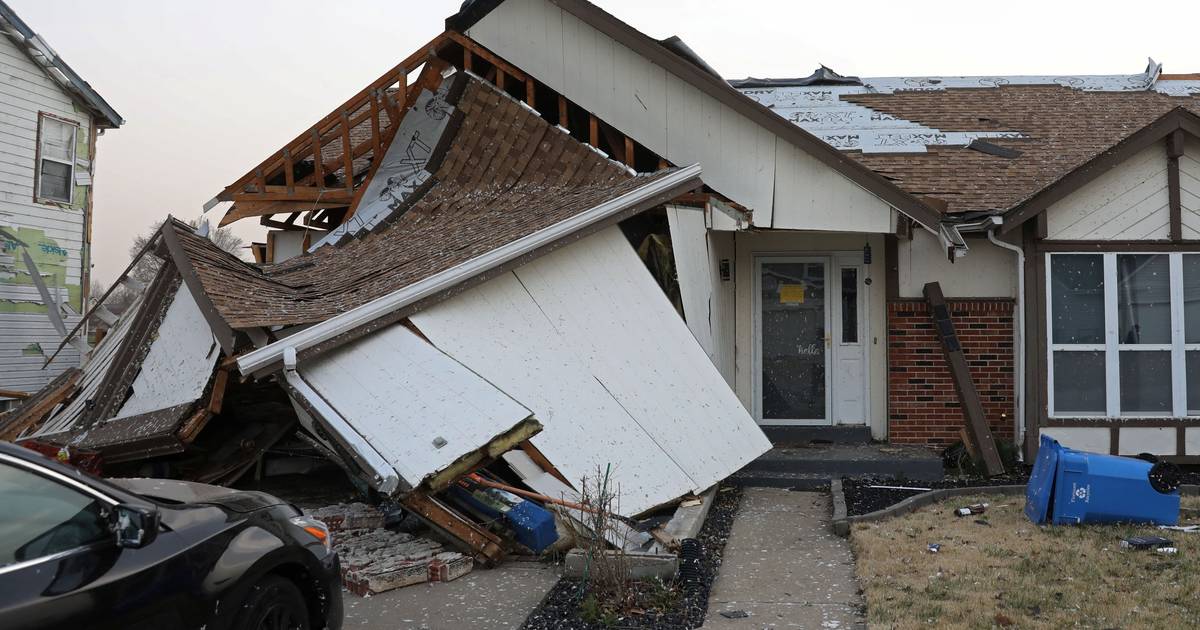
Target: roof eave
{"points": [[106, 117]]}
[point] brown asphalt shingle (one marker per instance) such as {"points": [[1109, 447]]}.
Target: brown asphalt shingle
{"points": [[507, 174], [1065, 128]]}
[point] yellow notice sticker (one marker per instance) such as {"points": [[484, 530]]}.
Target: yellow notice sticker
{"points": [[791, 293]]}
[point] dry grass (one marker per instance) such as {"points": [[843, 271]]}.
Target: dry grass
{"points": [[1012, 573]]}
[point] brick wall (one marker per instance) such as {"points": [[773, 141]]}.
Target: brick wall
{"points": [[923, 406]]}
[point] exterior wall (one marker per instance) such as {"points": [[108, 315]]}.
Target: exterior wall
{"points": [[56, 235], [748, 245], [1128, 203], [923, 407], [707, 300], [986, 271], [785, 187]]}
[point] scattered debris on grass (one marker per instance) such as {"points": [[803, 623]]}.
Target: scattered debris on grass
{"points": [[1018, 574]]}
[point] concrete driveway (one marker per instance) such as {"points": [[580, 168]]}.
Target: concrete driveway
{"points": [[497, 598]]}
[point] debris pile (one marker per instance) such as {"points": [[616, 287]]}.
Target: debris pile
{"points": [[375, 560]]}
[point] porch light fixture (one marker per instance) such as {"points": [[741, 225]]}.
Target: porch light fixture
{"points": [[867, 254]]}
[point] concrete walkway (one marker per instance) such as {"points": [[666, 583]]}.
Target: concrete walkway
{"points": [[784, 567], [497, 598]]}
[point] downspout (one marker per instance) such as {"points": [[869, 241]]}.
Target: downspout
{"points": [[1019, 339], [383, 476]]}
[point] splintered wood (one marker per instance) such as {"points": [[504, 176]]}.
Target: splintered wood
{"points": [[375, 560]]}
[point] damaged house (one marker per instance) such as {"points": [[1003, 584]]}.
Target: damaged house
{"points": [[48, 133], [472, 296], [481, 261]]}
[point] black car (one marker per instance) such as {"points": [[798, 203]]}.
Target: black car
{"points": [[80, 552]]}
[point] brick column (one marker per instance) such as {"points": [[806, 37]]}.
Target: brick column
{"points": [[923, 407]]}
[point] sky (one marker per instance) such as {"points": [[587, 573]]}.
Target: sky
{"points": [[210, 88]]}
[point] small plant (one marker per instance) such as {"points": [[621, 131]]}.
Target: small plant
{"points": [[606, 576]]}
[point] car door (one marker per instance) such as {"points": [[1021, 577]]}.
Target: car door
{"points": [[60, 565]]}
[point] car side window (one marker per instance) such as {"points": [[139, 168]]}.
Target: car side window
{"points": [[41, 517]]}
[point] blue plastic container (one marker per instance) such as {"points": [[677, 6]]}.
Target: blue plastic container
{"points": [[1069, 487]]}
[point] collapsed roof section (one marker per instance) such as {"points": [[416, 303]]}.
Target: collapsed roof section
{"points": [[506, 174]]}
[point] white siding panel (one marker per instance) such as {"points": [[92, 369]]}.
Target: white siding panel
{"points": [[499, 332], [644, 356], [180, 362], [402, 394], [1191, 441], [593, 346], [986, 271], [811, 196], [689, 245], [1090, 439], [1153, 440], [1128, 202], [1189, 187], [724, 303]]}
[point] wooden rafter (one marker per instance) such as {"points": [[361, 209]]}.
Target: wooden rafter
{"points": [[316, 170]]}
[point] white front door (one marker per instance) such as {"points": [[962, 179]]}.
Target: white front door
{"points": [[810, 350]]}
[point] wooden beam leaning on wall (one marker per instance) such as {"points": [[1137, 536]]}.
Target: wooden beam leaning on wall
{"points": [[977, 427]]}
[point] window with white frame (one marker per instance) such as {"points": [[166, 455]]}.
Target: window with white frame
{"points": [[56, 159], [1124, 334]]}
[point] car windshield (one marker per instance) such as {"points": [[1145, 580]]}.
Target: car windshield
{"points": [[41, 517]]}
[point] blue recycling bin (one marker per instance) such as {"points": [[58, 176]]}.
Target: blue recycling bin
{"points": [[1069, 487]]}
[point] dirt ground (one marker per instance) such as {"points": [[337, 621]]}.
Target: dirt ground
{"points": [[1007, 572]]}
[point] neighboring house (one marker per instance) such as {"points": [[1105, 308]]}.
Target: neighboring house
{"points": [[48, 130]]}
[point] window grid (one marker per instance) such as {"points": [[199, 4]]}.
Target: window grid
{"points": [[45, 125], [1112, 348]]}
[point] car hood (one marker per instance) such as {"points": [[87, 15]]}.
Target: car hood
{"points": [[189, 492]]}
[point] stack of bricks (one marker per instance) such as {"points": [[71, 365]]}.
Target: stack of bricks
{"points": [[375, 560], [923, 406]]}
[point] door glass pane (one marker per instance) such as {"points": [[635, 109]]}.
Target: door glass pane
{"points": [[850, 305], [1191, 299], [1079, 383], [43, 517], [1193, 382], [1145, 382], [1143, 298], [1077, 298], [793, 341]]}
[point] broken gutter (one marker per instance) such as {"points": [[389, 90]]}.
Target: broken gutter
{"points": [[951, 234], [268, 358]]}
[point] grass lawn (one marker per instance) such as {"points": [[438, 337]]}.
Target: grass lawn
{"points": [[1012, 573]]}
